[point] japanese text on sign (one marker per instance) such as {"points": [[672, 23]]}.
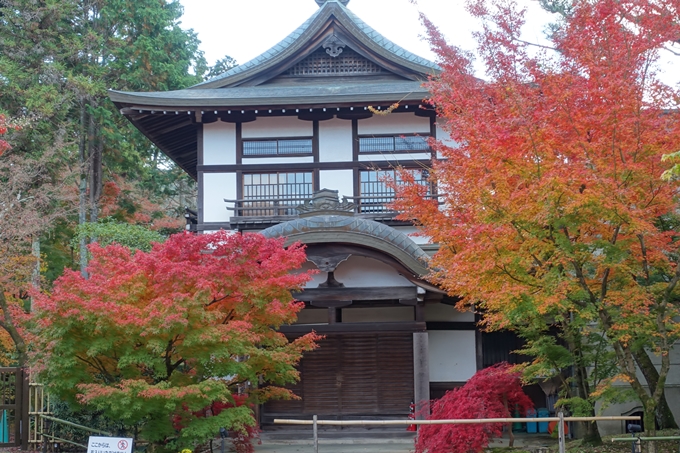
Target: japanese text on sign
{"points": [[109, 445]]}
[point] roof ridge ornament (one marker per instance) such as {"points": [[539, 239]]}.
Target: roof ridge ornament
{"points": [[325, 202], [323, 2], [333, 45]]}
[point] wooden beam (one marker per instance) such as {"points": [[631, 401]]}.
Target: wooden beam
{"points": [[353, 327], [451, 325], [350, 294], [331, 303]]}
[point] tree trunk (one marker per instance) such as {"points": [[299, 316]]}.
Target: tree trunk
{"points": [[650, 428], [95, 177], [591, 431], [82, 188], [7, 323], [35, 277], [664, 415], [511, 435]]}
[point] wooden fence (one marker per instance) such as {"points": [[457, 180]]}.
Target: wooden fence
{"points": [[315, 422]]}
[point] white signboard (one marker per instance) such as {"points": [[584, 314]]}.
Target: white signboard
{"points": [[109, 445]]}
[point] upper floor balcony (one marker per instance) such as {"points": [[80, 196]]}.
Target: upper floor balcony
{"points": [[263, 212]]}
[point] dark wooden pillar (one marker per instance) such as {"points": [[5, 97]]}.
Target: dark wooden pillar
{"points": [[421, 374], [334, 315]]}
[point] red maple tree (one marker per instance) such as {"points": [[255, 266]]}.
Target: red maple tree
{"points": [[490, 393], [152, 339]]}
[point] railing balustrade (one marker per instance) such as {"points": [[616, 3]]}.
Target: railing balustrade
{"points": [[275, 207]]}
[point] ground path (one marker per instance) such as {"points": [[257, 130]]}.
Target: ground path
{"points": [[368, 445]]}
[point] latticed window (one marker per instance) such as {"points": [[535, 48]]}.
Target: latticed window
{"points": [[375, 194], [277, 147], [393, 143], [275, 193], [319, 63]]}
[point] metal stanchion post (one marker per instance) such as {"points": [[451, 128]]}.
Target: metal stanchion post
{"points": [[316, 436], [223, 435], [636, 446]]}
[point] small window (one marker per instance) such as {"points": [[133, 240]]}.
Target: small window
{"points": [[277, 147], [393, 143]]}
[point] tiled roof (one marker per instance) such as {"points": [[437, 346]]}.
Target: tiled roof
{"points": [[279, 95], [364, 231], [279, 48]]}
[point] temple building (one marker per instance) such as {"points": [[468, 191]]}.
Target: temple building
{"points": [[297, 143]]}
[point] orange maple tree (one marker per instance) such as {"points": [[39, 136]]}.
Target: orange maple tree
{"points": [[551, 203], [150, 339]]}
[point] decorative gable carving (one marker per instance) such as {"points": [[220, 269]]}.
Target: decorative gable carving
{"points": [[333, 45], [322, 63]]}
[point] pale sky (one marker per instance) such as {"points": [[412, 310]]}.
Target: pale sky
{"points": [[243, 29]]}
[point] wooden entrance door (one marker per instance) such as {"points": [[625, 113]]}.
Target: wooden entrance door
{"points": [[353, 375]]}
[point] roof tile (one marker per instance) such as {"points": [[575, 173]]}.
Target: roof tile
{"points": [[292, 37]]}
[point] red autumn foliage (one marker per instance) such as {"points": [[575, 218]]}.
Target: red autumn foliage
{"points": [[488, 394], [153, 338], [551, 199], [4, 124]]}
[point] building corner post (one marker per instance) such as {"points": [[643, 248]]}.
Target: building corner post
{"points": [[421, 374]]}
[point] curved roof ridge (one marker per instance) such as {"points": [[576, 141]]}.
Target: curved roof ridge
{"points": [[277, 49], [362, 26], [411, 255]]}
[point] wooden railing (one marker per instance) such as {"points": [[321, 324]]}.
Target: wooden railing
{"points": [[265, 207], [270, 207], [560, 419]]}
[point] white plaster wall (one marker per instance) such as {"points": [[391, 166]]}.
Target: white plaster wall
{"points": [[335, 141], [394, 123], [219, 143], [378, 314], [340, 180], [362, 272], [452, 355], [217, 187], [317, 277], [393, 158], [446, 139], [275, 127], [277, 160], [409, 231], [447, 313]]}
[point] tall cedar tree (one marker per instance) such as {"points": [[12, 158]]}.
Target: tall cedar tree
{"points": [[57, 62], [551, 202], [494, 392], [152, 338]]}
